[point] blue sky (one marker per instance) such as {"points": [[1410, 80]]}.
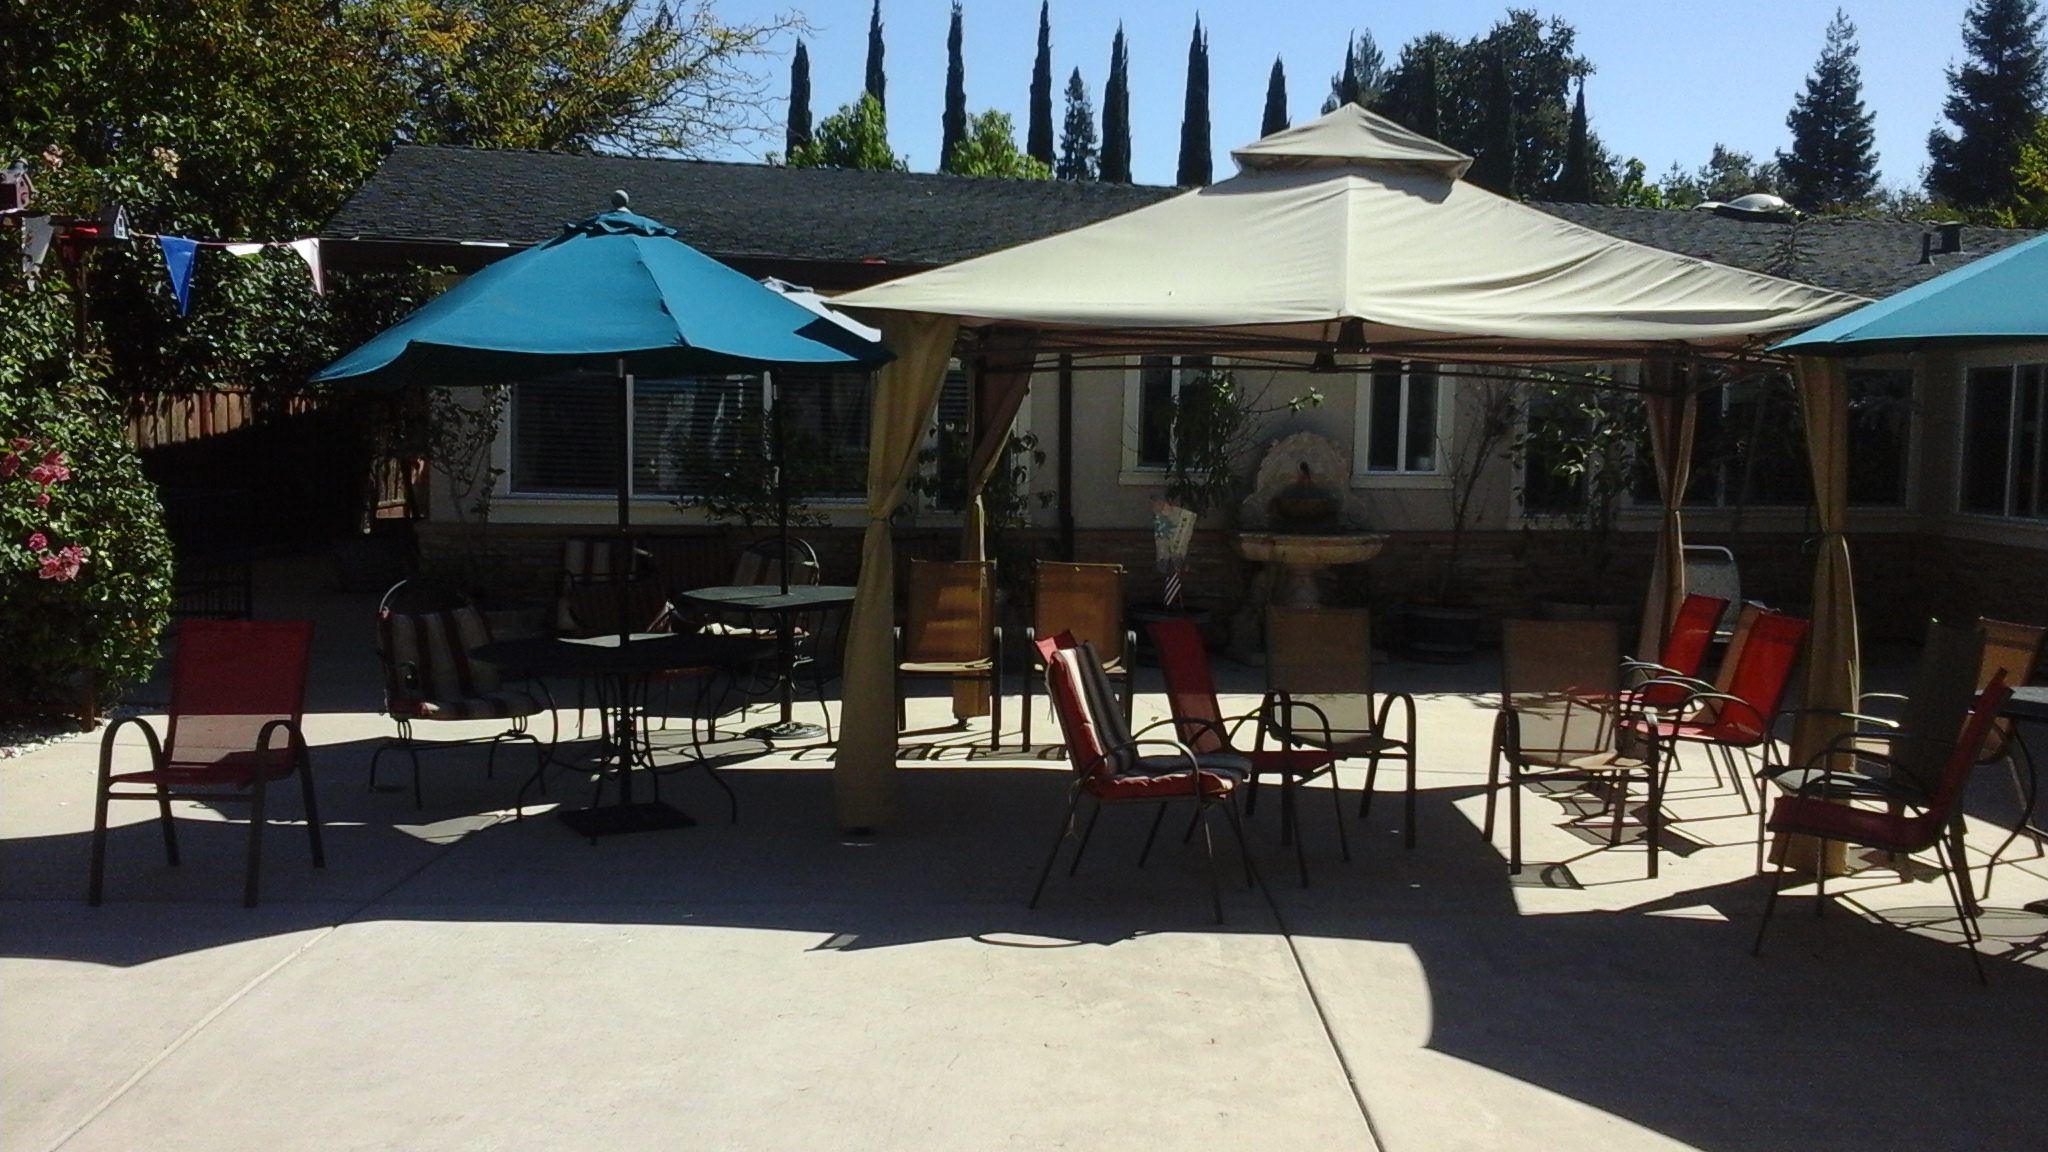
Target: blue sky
{"points": [[1672, 78]]}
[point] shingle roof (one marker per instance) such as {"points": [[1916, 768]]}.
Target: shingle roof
{"points": [[728, 210], [772, 215], [1872, 258]]}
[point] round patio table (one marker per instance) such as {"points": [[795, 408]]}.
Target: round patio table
{"points": [[621, 673], [774, 600]]}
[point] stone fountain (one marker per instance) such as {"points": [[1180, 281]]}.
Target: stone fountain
{"points": [[1301, 520]]}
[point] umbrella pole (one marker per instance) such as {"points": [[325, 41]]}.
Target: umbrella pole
{"points": [[622, 551], [781, 483]]}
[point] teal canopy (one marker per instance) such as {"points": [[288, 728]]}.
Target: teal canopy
{"points": [[617, 287], [1999, 299]]}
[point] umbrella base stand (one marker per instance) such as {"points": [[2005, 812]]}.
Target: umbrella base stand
{"points": [[786, 731], [618, 819]]}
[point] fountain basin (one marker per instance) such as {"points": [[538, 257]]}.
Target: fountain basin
{"points": [[1299, 559]]}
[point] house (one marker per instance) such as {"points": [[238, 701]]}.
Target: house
{"points": [[1947, 454]]}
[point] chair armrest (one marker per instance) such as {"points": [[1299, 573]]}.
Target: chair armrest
{"points": [[296, 740], [1181, 722], [1285, 728], [1193, 763], [156, 747], [1858, 717], [1387, 702]]}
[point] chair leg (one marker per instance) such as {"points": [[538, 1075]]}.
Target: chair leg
{"points": [[1372, 775], [732, 799], [1653, 822], [1209, 854], [1028, 678], [311, 802], [1514, 820], [995, 713], [1492, 791], [1158, 816], [170, 828], [1965, 912], [1408, 806], [1770, 905], [1244, 855], [1820, 878], [255, 862], [1075, 865], [96, 874], [1066, 830], [1337, 806]]}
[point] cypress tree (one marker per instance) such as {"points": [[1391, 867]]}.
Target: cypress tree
{"points": [[1077, 134], [1575, 185], [1429, 117], [1197, 162], [953, 125], [1038, 135], [1833, 160], [1116, 114], [1993, 101], [877, 80], [1275, 119], [1494, 167], [797, 131]]}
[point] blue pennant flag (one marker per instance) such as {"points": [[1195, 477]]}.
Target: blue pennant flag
{"points": [[179, 259]]}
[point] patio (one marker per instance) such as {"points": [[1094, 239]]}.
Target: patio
{"points": [[455, 979]]}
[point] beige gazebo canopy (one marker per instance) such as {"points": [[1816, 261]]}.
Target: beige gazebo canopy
{"points": [[1348, 234]]}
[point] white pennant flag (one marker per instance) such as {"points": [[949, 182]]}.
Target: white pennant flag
{"points": [[36, 234], [245, 249], [309, 251]]}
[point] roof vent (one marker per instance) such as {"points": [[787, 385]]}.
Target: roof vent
{"points": [[1946, 239], [1758, 207]]}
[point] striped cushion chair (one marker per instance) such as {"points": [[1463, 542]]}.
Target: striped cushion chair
{"points": [[428, 676]]}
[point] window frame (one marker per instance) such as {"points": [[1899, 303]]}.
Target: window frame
{"points": [[2016, 385], [1364, 380], [1133, 470]]}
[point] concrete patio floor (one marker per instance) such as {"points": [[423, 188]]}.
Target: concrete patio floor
{"points": [[456, 979]]}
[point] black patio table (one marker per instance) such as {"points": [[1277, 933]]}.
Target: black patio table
{"points": [[781, 603], [621, 674]]}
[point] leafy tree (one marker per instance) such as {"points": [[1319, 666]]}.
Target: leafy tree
{"points": [[1633, 191], [1038, 140], [1576, 183], [1993, 101], [1455, 86], [1494, 166], [1726, 175], [1197, 160], [856, 136], [797, 133], [1363, 76], [1077, 134], [2028, 207], [953, 130], [991, 150], [1275, 118], [568, 75], [1833, 162], [877, 80], [1116, 114]]}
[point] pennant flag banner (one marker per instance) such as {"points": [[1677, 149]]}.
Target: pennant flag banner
{"points": [[309, 251], [179, 260], [245, 249], [36, 234]]}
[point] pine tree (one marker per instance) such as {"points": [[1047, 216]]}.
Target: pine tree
{"points": [[1993, 101], [1197, 161], [797, 132], [1275, 119], [1575, 184], [1038, 135], [877, 80], [1116, 114], [1832, 162], [1363, 78], [1077, 134], [953, 125]]}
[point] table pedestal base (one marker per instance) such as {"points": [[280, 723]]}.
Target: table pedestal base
{"points": [[785, 731], [617, 819]]}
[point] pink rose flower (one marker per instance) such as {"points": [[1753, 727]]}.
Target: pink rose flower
{"points": [[42, 499], [37, 542], [47, 474], [52, 568], [21, 443], [55, 459], [9, 464]]}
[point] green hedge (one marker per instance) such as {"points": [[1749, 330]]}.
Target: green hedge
{"points": [[85, 564]]}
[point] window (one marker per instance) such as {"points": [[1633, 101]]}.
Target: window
{"points": [[1400, 416], [1880, 435], [2005, 441], [1159, 383], [685, 432]]}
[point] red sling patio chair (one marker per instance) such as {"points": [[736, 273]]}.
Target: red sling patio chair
{"points": [[1199, 722], [1084, 601], [1110, 767], [1684, 650], [1815, 811], [1740, 716], [238, 694]]}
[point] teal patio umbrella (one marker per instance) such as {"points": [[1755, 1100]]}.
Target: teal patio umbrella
{"points": [[2000, 298], [617, 293]]}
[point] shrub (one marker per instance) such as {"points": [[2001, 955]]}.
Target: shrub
{"points": [[85, 564]]}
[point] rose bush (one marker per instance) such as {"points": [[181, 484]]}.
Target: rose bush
{"points": [[85, 565]]}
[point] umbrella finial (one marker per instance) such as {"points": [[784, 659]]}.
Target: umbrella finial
{"points": [[619, 199]]}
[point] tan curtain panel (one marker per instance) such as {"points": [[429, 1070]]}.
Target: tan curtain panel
{"points": [[1833, 659], [906, 392], [1672, 410]]}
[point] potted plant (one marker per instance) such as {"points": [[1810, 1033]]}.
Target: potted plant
{"points": [[1443, 625], [1006, 500], [1577, 456]]}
